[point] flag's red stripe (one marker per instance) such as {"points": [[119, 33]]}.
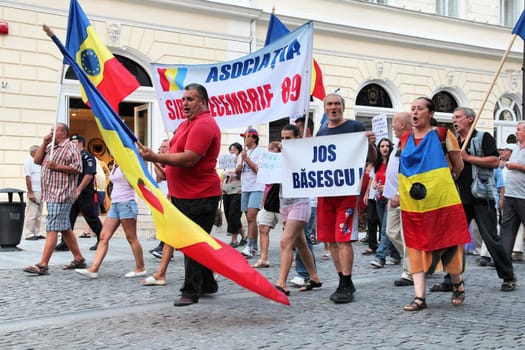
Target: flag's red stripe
{"points": [[319, 90], [116, 84], [231, 264], [163, 80], [150, 197], [435, 229]]}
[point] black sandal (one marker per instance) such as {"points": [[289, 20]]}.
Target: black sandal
{"points": [[458, 296], [415, 306], [282, 290], [76, 264], [311, 285]]}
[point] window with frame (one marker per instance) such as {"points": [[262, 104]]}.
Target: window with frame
{"points": [[447, 8], [509, 12], [507, 109], [444, 102]]}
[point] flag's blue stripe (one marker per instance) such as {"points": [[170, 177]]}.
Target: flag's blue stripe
{"points": [[519, 28], [105, 114], [77, 28], [429, 156], [276, 30]]}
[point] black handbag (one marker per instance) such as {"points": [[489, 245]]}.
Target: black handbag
{"points": [[271, 202]]}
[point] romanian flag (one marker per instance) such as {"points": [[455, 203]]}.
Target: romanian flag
{"points": [[277, 29], [431, 210], [172, 79], [108, 75], [172, 226]]}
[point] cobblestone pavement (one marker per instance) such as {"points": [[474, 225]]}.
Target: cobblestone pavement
{"points": [[66, 311]]}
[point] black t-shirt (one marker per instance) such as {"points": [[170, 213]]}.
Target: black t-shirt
{"points": [[464, 181]]}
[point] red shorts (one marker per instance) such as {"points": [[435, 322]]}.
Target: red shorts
{"points": [[337, 219]]}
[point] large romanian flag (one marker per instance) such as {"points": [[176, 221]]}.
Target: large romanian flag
{"points": [[277, 29], [432, 214], [109, 76], [172, 226]]}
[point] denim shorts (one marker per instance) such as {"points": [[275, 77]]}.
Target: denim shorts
{"points": [[251, 200], [124, 210]]}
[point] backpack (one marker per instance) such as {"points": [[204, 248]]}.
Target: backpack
{"points": [[482, 178]]}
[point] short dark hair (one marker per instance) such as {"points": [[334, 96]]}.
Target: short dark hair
{"points": [[237, 145], [292, 127], [310, 123], [201, 90]]}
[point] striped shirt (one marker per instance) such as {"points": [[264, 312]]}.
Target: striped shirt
{"points": [[58, 186]]}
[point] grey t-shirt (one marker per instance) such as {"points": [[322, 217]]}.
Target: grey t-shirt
{"points": [[515, 179]]}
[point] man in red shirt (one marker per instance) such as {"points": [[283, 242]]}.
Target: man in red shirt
{"points": [[193, 182]]}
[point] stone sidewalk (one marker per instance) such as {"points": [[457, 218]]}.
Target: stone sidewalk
{"points": [[66, 311]]}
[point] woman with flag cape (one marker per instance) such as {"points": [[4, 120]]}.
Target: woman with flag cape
{"points": [[434, 223]]}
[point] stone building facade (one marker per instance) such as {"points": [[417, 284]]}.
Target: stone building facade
{"points": [[378, 54]]}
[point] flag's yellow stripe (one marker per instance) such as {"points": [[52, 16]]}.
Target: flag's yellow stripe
{"points": [[172, 226], [441, 190]]}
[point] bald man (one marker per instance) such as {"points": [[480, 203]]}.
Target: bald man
{"points": [[401, 124]]}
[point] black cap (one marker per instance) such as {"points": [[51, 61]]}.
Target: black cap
{"points": [[78, 137]]}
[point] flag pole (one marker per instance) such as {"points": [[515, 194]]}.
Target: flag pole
{"points": [[503, 59], [49, 32]]}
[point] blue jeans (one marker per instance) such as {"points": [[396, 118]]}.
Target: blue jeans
{"points": [[385, 244], [300, 269]]}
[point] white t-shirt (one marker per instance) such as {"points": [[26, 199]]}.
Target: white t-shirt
{"points": [[33, 170], [392, 171], [248, 177]]}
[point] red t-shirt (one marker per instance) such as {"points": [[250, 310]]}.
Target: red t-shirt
{"points": [[200, 135], [381, 178]]}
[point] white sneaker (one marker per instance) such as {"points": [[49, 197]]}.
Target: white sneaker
{"points": [[247, 252], [297, 281], [86, 273], [136, 274]]}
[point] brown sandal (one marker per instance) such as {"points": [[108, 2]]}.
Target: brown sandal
{"points": [[37, 269], [458, 296], [76, 264], [415, 306]]}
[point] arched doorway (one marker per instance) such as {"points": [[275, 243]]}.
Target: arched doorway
{"points": [[81, 120]]}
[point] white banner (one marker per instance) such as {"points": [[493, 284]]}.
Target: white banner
{"points": [[269, 168], [269, 84], [324, 166]]}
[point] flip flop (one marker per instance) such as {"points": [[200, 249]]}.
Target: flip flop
{"points": [[151, 281]]}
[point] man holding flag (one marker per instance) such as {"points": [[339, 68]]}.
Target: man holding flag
{"points": [[193, 182]]}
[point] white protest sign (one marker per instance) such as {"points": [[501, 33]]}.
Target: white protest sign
{"points": [[380, 127], [227, 161], [269, 168], [324, 166]]}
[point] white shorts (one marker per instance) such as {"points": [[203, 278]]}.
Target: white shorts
{"points": [[267, 218]]}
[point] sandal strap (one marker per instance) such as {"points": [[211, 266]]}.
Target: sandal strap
{"points": [[420, 299], [459, 284]]}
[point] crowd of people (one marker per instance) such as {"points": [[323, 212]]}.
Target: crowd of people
{"points": [[415, 184]]}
